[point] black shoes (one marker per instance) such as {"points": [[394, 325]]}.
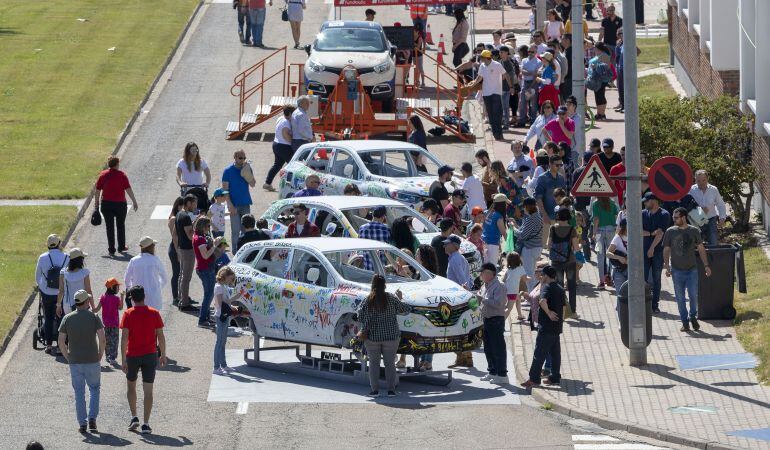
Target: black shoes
{"points": [[695, 324], [391, 393], [134, 424], [92, 426], [146, 429], [685, 327], [82, 429], [374, 394]]}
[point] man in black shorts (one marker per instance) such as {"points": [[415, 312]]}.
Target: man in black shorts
{"points": [[141, 336]]}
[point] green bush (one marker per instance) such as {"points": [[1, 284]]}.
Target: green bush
{"points": [[708, 134]]}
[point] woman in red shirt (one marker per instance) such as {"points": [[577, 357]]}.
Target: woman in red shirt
{"points": [[206, 250], [111, 188]]}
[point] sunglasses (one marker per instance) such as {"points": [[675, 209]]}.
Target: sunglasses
{"points": [[240, 158]]}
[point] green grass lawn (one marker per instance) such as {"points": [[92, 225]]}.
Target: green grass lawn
{"points": [[24, 230], [654, 52], [753, 319], [655, 86], [64, 98]]}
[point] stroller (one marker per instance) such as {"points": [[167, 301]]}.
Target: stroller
{"points": [[201, 192], [38, 334]]}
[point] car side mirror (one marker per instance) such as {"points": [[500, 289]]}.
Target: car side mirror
{"points": [[331, 227], [348, 170], [393, 50], [307, 49], [313, 274]]}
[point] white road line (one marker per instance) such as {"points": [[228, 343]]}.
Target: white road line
{"points": [[593, 438], [623, 446], [243, 408]]}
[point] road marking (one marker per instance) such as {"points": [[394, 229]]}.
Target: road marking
{"points": [[593, 438], [622, 446], [243, 408], [736, 363]]}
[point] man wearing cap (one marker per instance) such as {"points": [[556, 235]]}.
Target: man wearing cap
{"points": [[437, 190], [560, 129], [146, 270], [493, 303], [82, 342], [491, 73], [655, 222], [472, 187], [550, 322], [529, 238], [608, 157], [453, 209], [239, 198], [47, 271], [447, 227], [546, 183], [370, 13], [301, 227]]}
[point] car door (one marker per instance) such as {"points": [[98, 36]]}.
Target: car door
{"points": [[345, 169], [264, 294], [320, 162], [310, 307]]}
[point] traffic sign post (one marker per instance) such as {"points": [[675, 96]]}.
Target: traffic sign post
{"points": [[670, 178], [594, 181]]}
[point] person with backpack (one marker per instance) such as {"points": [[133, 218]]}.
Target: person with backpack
{"points": [[563, 242], [49, 266], [598, 77]]}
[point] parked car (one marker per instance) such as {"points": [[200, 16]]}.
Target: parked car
{"points": [[343, 216], [388, 169], [361, 45], [307, 290]]}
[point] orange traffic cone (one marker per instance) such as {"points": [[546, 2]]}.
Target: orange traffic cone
{"points": [[441, 47], [440, 58], [429, 36]]}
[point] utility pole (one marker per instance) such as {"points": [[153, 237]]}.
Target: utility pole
{"points": [[578, 76], [539, 14], [636, 283]]}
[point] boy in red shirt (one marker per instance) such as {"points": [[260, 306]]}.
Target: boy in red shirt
{"points": [[141, 336]]}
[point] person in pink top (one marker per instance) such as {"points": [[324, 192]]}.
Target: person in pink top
{"points": [[110, 305], [560, 129]]}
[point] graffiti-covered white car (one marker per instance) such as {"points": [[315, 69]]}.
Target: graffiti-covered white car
{"points": [[388, 169], [307, 290], [343, 216]]}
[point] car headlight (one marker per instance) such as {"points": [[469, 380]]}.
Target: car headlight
{"points": [[381, 68], [315, 66]]}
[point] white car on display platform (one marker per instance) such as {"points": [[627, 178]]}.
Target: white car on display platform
{"points": [[307, 290], [343, 216], [388, 169], [361, 45]]}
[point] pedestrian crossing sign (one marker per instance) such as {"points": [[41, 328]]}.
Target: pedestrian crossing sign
{"points": [[594, 181]]}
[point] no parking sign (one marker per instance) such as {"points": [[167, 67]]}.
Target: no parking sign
{"points": [[670, 178]]}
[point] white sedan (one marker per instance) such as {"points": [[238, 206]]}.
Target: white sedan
{"points": [[307, 290]]}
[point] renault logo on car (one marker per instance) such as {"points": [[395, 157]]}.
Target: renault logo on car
{"points": [[445, 311]]}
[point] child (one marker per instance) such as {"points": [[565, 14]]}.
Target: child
{"points": [[217, 215], [477, 216], [514, 280], [474, 236], [110, 305]]}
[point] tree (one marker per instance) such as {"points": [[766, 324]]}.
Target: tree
{"points": [[708, 134]]}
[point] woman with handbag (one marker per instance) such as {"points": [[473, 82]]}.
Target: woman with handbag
{"points": [[380, 333], [223, 312], [293, 14], [110, 198]]}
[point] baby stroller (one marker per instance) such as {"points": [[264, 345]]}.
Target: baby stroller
{"points": [[38, 334], [201, 192]]}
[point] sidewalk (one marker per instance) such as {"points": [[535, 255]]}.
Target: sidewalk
{"points": [[598, 385]]}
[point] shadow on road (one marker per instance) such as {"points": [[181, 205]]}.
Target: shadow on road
{"points": [[105, 439], [165, 441]]}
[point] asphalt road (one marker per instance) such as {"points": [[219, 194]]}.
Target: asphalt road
{"points": [[194, 105]]}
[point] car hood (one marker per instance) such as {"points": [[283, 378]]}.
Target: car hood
{"points": [[465, 247], [417, 185], [432, 293], [361, 60]]}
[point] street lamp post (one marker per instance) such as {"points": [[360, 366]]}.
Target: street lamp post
{"points": [[578, 75]]}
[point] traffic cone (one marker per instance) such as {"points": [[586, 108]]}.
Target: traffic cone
{"points": [[442, 49], [440, 58], [429, 36]]}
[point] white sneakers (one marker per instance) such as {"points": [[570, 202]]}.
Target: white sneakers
{"points": [[495, 379]]}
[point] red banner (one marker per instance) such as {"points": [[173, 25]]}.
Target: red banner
{"points": [[397, 2]]}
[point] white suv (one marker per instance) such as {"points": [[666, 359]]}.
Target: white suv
{"points": [[362, 45]]}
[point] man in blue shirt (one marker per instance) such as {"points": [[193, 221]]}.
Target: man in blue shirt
{"points": [[457, 269], [546, 183], [236, 179], [376, 230], [311, 187], [655, 222]]}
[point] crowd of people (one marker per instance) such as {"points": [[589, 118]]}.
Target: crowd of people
{"points": [[252, 16]]}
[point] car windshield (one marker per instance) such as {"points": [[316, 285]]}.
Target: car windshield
{"points": [[359, 266], [350, 40], [400, 163], [360, 216]]}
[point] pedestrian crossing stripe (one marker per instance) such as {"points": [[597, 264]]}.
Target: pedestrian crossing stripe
{"points": [[594, 181], [161, 212]]}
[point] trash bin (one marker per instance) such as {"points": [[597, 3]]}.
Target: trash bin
{"points": [[716, 293], [623, 312]]}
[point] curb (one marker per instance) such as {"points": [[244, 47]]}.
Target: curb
{"points": [[116, 150]]}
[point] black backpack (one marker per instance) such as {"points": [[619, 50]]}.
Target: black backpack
{"points": [[52, 275]]}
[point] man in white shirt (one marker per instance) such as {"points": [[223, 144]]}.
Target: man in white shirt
{"points": [[491, 72], [521, 165], [472, 187], [708, 198], [301, 128], [48, 283], [147, 271]]}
